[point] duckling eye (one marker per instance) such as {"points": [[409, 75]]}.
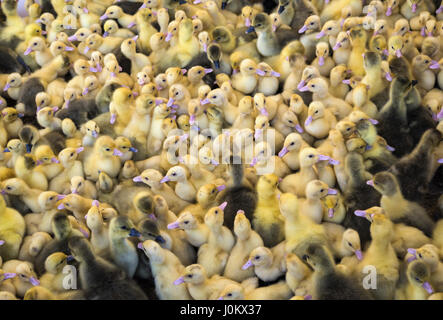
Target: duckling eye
{"points": [[417, 279], [311, 156], [312, 23], [426, 61], [107, 149], [321, 190], [305, 257], [257, 257], [12, 80], [59, 47], [312, 85], [350, 244], [34, 44], [330, 28], [174, 174], [316, 111], [8, 188], [186, 222], [22, 275], [124, 228], [72, 154], [229, 294], [290, 121], [420, 256], [189, 276]]}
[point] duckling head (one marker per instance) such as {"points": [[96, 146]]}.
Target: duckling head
{"points": [[430, 46], [123, 96], [215, 216], [45, 155], [204, 40], [144, 104], [176, 173], [232, 292], [124, 145], [338, 74], [290, 119], [25, 273], [368, 23], [260, 256], [58, 47], [419, 274], [46, 18], [109, 28], [214, 54], [14, 186], [194, 274], [311, 23], [378, 44], [157, 41], [421, 62], [195, 74], [318, 257], [55, 262], [385, 183], [144, 202], [113, 12], [316, 85], [61, 226], [356, 145], [293, 141], [346, 128], [68, 155], [106, 146], [128, 47], [267, 184], [48, 200], [395, 45], [36, 44], [9, 114], [153, 251], [242, 225], [145, 14], [309, 156], [15, 146], [260, 23], [380, 27], [174, 75], [104, 183], [358, 36], [296, 266], [221, 35], [401, 68], [197, 26], [121, 227], [14, 80], [81, 249], [93, 41], [317, 189], [330, 27], [178, 92], [351, 242]]}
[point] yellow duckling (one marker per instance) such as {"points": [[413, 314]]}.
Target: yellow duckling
{"points": [[246, 80], [319, 121], [335, 210], [13, 84], [12, 122], [104, 158], [47, 162], [298, 276], [25, 276], [54, 276], [214, 254], [184, 188], [337, 75], [269, 264], [42, 53], [358, 39], [25, 168], [96, 42], [267, 220], [12, 230], [121, 109], [417, 287], [278, 291]]}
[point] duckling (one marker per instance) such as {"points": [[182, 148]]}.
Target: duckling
{"points": [[123, 252], [293, 144], [25, 275], [32, 245], [429, 254], [72, 167], [267, 220], [276, 291], [360, 97], [111, 28], [99, 278], [297, 182], [214, 254], [184, 189], [165, 264], [421, 72], [328, 282], [63, 231], [104, 45], [13, 84], [12, 122], [264, 132], [53, 278], [387, 185], [11, 232], [269, 264], [312, 206], [27, 195], [42, 52], [153, 179], [319, 87], [104, 157], [337, 75], [335, 210], [156, 136], [358, 39], [320, 120], [199, 285], [246, 80], [342, 48], [268, 79], [247, 240], [417, 286]]}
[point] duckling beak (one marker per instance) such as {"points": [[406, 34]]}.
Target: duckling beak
{"points": [[132, 149], [414, 7], [54, 160], [6, 150], [103, 17], [389, 11], [247, 265], [217, 63], [283, 152], [220, 298], [439, 10], [117, 153], [258, 133], [134, 233], [204, 101], [247, 22], [7, 86], [205, 47], [320, 34], [440, 160], [321, 60], [388, 76], [27, 51], [28, 148], [221, 188], [165, 179], [398, 53], [250, 29], [113, 118], [330, 212], [370, 183], [359, 254], [360, 213], [160, 239], [254, 161], [34, 281], [179, 281], [332, 191], [94, 134], [308, 119], [72, 38], [428, 287], [260, 72], [281, 9], [392, 149], [168, 37], [9, 275], [223, 205], [78, 150], [2, 242], [173, 225], [434, 65]]}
